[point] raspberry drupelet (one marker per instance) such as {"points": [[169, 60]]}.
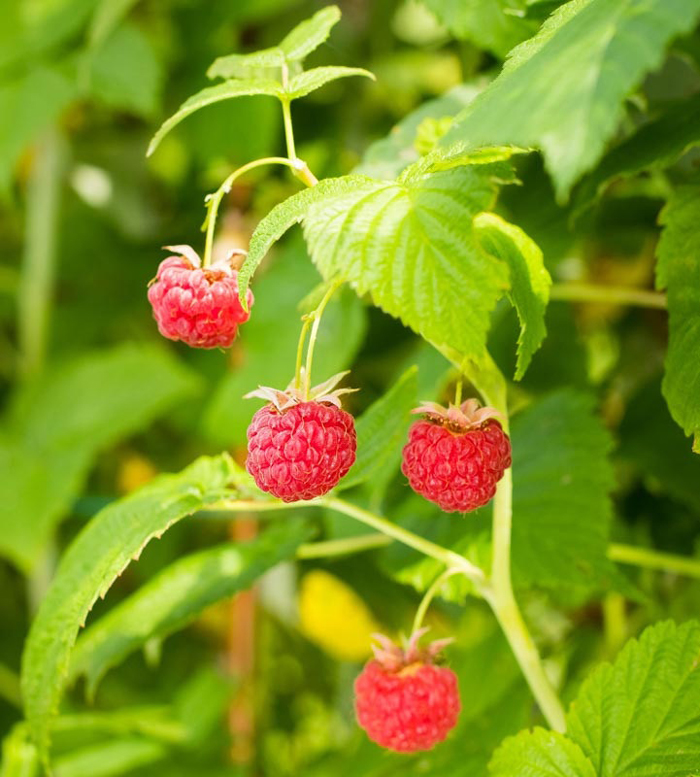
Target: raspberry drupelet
{"points": [[198, 305], [300, 448], [456, 456], [403, 700]]}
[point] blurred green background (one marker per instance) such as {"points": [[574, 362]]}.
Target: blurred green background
{"points": [[95, 402]]}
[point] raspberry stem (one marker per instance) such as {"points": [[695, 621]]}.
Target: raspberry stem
{"points": [[316, 318], [213, 201], [652, 559], [430, 594], [609, 295], [300, 351]]}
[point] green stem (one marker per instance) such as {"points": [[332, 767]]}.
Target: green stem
{"points": [[344, 546], [458, 392], [316, 317], [430, 595], [505, 607], [214, 200], [615, 295], [653, 559], [40, 245], [447, 557], [288, 129], [300, 351]]}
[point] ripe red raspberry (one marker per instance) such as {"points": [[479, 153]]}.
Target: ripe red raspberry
{"points": [[403, 700], [199, 306], [455, 457], [300, 449]]}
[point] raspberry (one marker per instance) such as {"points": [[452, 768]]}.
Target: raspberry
{"points": [[199, 306], [403, 700], [300, 449], [455, 457]]}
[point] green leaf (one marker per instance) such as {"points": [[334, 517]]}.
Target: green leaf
{"points": [[248, 65], [677, 271], [640, 716], [125, 72], [313, 79], [301, 41], [270, 348], [98, 555], [529, 280], [540, 753], [214, 94], [283, 216], [654, 145], [563, 91], [58, 425], [381, 431], [411, 246], [108, 759], [386, 158], [177, 596], [310, 34], [562, 478], [34, 101], [494, 25]]}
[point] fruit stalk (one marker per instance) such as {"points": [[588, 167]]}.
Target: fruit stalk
{"points": [[214, 200], [449, 558]]}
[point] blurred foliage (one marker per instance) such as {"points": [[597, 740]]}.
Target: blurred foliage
{"points": [[107, 404]]}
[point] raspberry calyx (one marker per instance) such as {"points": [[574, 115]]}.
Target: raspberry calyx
{"points": [[405, 701], [300, 445], [197, 305]]}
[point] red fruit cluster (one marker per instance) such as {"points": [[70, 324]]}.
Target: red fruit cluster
{"points": [[409, 704], [454, 462], [300, 452], [199, 306]]}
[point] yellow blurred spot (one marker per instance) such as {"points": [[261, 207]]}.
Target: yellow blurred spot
{"points": [[134, 471], [335, 618]]}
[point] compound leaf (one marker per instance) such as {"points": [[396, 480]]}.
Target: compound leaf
{"points": [[640, 716], [177, 595], [310, 34], [289, 212], [214, 94], [313, 79], [678, 271], [563, 90], [538, 753], [98, 555], [529, 280], [410, 245], [494, 25]]}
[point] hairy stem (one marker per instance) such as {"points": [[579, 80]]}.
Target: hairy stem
{"points": [[38, 261], [344, 546], [447, 557], [616, 295], [430, 595], [214, 200], [316, 318], [487, 378], [653, 559], [505, 607], [300, 351]]}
